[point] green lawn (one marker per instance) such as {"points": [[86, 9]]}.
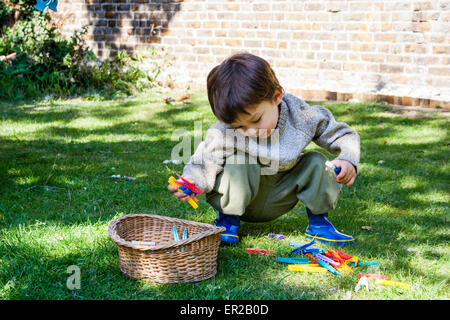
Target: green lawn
{"points": [[57, 199]]}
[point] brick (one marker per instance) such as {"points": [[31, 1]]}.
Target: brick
{"points": [[261, 7], [211, 24], [441, 49], [439, 71], [372, 57], [385, 37], [311, 6], [295, 16], [366, 47], [362, 39], [270, 44], [233, 42], [386, 68], [330, 65]]}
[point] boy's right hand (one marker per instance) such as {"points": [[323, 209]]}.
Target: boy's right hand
{"points": [[181, 195]]}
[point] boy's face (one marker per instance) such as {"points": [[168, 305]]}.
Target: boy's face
{"points": [[262, 119]]}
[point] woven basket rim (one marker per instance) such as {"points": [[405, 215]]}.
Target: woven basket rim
{"points": [[112, 230]]}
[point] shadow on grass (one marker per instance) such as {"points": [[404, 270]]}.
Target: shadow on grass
{"points": [[62, 181]]}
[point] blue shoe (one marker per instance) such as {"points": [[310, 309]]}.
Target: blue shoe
{"points": [[321, 229], [232, 224]]}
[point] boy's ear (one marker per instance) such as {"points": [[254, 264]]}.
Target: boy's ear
{"points": [[278, 97]]}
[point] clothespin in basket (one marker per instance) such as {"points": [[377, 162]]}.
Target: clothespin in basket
{"points": [[175, 234], [176, 237]]}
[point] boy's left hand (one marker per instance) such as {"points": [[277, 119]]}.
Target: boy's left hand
{"points": [[348, 173]]}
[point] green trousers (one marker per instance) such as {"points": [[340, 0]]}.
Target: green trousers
{"points": [[241, 190]]}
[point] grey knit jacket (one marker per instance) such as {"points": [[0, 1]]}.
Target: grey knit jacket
{"points": [[298, 125]]}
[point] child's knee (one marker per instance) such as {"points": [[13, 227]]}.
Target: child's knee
{"points": [[314, 159]]}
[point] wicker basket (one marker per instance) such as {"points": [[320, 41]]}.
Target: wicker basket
{"points": [[187, 260]]}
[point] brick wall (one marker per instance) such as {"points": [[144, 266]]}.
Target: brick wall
{"points": [[397, 51]]}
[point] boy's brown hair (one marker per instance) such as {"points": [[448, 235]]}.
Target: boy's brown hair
{"points": [[240, 81]]}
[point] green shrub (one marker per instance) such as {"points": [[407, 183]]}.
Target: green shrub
{"points": [[48, 64]]}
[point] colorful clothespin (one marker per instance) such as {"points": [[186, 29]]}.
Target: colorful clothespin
{"points": [[306, 268], [353, 260], [362, 282], [184, 236], [144, 243], [305, 248], [373, 276], [175, 234], [344, 269], [187, 188], [53, 4], [42, 4], [328, 267], [374, 263], [264, 252], [276, 236], [334, 256], [344, 256], [325, 259], [392, 284], [293, 260], [311, 257], [332, 167]]}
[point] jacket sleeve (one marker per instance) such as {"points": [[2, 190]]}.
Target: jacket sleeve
{"points": [[209, 158], [336, 137]]}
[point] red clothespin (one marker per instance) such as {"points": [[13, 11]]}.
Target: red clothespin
{"points": [[373, 276], [337, 257], [344, 256], [189, 185], [333, 256], [264, 252]]}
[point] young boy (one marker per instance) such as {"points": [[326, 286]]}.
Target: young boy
{"points": [[260, 128]]}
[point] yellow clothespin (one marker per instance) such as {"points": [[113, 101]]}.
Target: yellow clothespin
{"points": [[392, 284], [353, 259], [193, 201], [344, 269], [306, 268]]}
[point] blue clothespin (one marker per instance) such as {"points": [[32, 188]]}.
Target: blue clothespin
{"points": [[328, 267], [331, 166], [41, 4], [305, 248], [186, 190], [51, 4], [175, 234], [293, 260], [302, 247]]}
